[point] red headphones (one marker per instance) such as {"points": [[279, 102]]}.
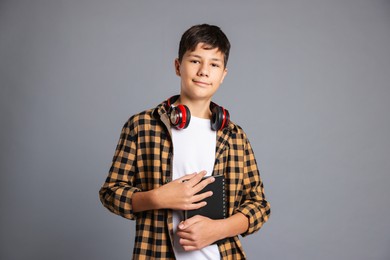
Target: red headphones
{"points": [[180, 115]]}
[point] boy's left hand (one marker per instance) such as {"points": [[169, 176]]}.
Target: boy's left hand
{"points": [[198, 232]]}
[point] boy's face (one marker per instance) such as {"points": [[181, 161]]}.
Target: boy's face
{"points": [[201, 72]]}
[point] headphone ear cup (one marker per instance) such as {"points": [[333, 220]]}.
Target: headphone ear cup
{"points": [[226, 120], [188, 117], [180, 116], [216, 118], [220, 118]]}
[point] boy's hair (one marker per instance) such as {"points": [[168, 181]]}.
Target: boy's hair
{"points": [[211, 35]]}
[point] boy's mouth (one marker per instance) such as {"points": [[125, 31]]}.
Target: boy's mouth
{"points": [[202, 83]]}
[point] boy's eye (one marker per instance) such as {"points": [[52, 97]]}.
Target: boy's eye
{"points": [[194, 61], [215, 65]]}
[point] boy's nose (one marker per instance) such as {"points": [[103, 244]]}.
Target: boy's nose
{"points": [[203, 71]]}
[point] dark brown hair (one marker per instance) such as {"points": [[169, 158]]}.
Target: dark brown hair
{"points": [[210, 35]]}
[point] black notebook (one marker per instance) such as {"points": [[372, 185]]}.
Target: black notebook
{"points": [[216, 204]]}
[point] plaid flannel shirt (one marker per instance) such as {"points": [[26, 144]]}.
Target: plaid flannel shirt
{"points": [[143, 161]]}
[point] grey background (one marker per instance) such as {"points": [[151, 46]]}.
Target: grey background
{"points": [[308, 81]]}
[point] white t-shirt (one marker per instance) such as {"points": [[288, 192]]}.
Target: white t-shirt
{"points": [[194, 151]]}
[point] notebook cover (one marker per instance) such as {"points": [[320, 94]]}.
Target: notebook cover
{"points": [[216, 204]]}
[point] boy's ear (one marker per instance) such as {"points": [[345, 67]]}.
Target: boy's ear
{"points": [[224, 75], [177, 67]]}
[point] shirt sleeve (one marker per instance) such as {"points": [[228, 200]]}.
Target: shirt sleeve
{"points": [[254, 205], [119, 187]]}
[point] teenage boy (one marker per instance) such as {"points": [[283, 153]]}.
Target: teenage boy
{"points": [[164, 153]]}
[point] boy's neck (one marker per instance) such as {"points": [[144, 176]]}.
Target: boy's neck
{"points": [[198, 108]]}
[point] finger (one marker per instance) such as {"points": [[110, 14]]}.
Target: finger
{"points": [[184, 236], [186, 177], [189, 222], [201, 196], [189, 248], [201, 185], [197, 205], [187, 244], [196, 178]]}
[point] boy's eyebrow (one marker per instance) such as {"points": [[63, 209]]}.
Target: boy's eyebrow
{"points": [[199, 57]]}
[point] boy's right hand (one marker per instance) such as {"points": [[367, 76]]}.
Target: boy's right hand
{"points": [[181, 194]]}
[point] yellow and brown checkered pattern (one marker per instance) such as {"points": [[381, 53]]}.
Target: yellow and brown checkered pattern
{"points": [[143, 161]]}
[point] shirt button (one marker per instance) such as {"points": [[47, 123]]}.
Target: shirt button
{"points": [[167, 180]]}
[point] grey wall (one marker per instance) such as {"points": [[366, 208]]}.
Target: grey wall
{"points": [[308, 81]]}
